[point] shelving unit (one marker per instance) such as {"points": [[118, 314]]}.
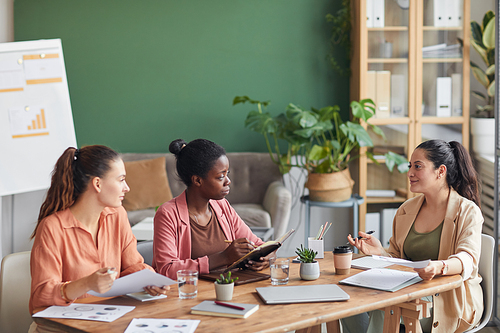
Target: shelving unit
{"points": [[407, 31]]}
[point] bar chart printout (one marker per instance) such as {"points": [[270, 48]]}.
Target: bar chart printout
{"points": [[28, 121]]}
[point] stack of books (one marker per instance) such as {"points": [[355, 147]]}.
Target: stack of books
{"points": [[442, 51]]}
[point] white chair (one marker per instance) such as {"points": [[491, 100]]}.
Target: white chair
{"points": [[146, 250], [15, 288], [486, 271]]}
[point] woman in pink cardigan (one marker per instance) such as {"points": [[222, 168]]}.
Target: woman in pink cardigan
{"points": [[191, 230]]}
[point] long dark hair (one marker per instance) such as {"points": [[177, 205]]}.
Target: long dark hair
{"points": [[195, 158], [461, 174], [71, 176]]}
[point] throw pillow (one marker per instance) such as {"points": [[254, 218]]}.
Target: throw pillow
{"points": [[148, 184]]}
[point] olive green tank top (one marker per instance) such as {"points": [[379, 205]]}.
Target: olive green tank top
{"points": [[422, 246]]}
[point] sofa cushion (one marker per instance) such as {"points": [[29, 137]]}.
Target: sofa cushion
{"points": [[148, 184], [253, 215]]}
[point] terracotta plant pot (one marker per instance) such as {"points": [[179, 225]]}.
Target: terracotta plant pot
{"points": [[330, 187], [309, 271], [224, 292]]}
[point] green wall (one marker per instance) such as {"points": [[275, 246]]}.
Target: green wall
{"points": [[144, 72]]}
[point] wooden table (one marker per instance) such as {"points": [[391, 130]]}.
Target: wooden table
{"points": [[269, 318]]}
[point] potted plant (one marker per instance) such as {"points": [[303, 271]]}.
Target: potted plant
{"points": [[483, 119], [224, 287], [319, 142], [309, 268]]}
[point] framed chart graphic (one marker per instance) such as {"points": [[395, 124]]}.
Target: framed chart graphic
{"points": [[36, 123]]}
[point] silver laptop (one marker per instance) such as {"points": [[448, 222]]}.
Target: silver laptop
{"points": [[302, 294]]}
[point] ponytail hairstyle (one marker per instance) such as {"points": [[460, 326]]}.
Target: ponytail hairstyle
{"points": [[461, 174], [196, 158], [71, 176]]}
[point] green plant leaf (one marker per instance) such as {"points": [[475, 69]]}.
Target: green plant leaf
{"points": [[396, 159], [490, 70], [480, 75], [377, 130], [356, 133], [488, 16], [363, 109], [479, 95], [260, 122], [491, 89], [318, 153], [476, 34], [489, 35], [244, 99], [481, 50]]}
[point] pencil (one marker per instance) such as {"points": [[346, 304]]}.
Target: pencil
{"points": [[228, 241]]}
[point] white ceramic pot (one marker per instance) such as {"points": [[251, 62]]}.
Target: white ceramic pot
{"points": [[309, 271], [483, 135], [224, 292]]}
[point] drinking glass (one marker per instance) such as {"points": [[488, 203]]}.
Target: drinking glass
{"points": [[280, 268], [188, 283]]}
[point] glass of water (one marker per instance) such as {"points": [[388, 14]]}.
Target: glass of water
{"points": [[280, 268], [188, 283]]}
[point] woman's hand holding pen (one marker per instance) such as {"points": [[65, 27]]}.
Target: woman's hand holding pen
{"points": [[366, 243], [102, 279], [238, 248]]}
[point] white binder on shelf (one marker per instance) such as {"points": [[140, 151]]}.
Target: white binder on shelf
{"points": [[443, 97], [455, 10], [371, 88], [456, 95], [383, 101], [378, 13], [369, 13], [398, 95], [440, 13]]}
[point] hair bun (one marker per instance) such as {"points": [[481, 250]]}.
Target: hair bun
{"points": [[176, 146]]}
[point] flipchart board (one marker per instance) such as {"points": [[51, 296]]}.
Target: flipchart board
{"points": [[36, 123]]}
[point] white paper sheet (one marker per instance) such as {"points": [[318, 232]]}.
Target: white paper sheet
{"points": [[28, 121], [382, 279], [403, 262], [38, 69], [368, 263], [11, 74], [149, 325], [134, 283], [96, 312]]}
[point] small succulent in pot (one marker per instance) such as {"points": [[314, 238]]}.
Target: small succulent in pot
{"points": [[306, 255], [226, 279]]}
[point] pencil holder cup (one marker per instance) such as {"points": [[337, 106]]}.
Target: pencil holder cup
{"points": [[316, 245]]}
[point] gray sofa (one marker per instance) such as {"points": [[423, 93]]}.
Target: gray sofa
{"points": [[257, 191]]}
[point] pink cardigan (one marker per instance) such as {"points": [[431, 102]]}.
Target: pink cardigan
{"points": [[172, 235]]}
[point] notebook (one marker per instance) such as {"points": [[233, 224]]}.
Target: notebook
{"points": [[209, 308], [383, 279], [260, 251], [302, 294]]}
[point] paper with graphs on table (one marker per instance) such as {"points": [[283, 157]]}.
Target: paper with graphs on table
{"points": [[403, 262]]}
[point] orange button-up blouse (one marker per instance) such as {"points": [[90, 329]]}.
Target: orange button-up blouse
{"points": [[64, 251]]}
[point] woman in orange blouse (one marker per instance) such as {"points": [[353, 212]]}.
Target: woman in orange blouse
{"points": [[83, 240]]}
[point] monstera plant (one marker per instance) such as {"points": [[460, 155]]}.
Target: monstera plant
{"points": [[317, 140]]}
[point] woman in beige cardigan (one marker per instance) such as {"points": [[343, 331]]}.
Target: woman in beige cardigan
{"points": [[444, 225]]}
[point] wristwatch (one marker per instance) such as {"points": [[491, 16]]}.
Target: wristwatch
{"points": [[444, 270]]}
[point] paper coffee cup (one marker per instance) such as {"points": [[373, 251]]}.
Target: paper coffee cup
{"points": [[342, 257]]}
